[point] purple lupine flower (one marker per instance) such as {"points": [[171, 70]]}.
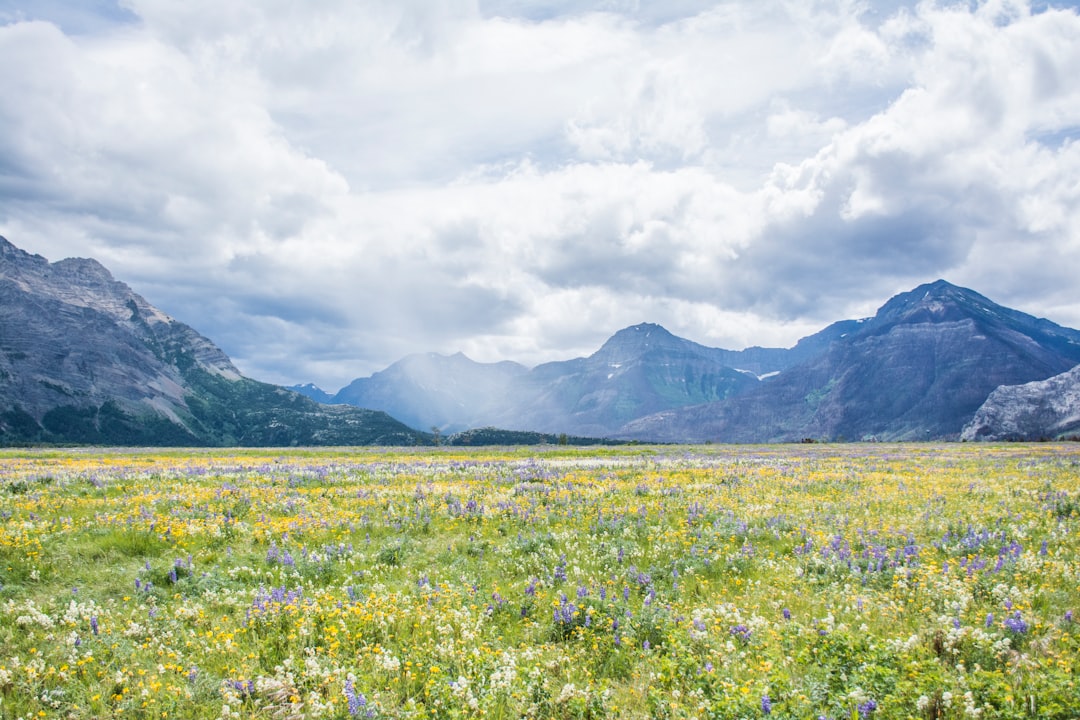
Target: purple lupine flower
{"points": [[866, 708], [1016, 623], [1068, 616], [741, 631], [766, 705], [787, 614], [93, 624], [989, 619], [708, 667], [560, 570], [357, 701]]}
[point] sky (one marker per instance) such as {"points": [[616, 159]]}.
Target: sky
{"points": [[324, 186]]}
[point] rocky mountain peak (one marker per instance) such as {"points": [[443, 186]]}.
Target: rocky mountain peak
{"points": [[633, 342], [82, 270], [935, 302]]}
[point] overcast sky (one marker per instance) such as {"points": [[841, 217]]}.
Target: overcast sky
{"points": [[324, 186]]}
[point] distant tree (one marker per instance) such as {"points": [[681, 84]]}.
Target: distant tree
{"points": [[436, 433]]}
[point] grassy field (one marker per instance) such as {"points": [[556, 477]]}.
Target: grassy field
{"points": [[847, 581]]}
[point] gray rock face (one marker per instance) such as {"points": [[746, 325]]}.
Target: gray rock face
{"points": [[85, 359], [1042, 409], [71, 333]]}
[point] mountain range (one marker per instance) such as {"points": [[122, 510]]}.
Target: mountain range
{"points": [[918, 369], [85, 359]]}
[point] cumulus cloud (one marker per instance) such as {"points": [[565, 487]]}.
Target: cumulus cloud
{"points": [[323, 187]]}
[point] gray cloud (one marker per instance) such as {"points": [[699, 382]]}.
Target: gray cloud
{"points": [[323, 188]]}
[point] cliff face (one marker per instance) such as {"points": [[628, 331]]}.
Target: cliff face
{"points": [[85, 359], [1042, 409]]}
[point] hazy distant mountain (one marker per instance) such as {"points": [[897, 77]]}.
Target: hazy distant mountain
{"points": [[451, 392], [84, 359], [1042, 409], [313, 391], [918, 369]]}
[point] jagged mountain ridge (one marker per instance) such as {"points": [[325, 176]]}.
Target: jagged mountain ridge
{"points": [[918, 369], [85, 359]]}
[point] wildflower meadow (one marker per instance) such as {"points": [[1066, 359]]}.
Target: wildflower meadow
{"points": [[803, 581]]}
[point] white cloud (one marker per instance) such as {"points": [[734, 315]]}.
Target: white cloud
{"points": [[321, 187]]}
